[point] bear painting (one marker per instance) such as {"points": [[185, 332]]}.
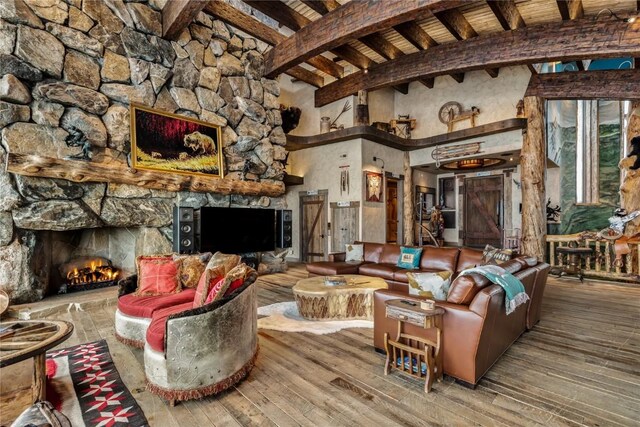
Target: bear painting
{"points": [[172, 143]]}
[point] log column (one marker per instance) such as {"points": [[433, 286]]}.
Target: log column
{"points": [[532, 162], [362, 109], [629, 194], [408, 207]]}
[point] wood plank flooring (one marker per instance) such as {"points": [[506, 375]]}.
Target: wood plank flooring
{"points": [[579, 366]]}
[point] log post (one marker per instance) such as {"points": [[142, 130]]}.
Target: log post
{"points": [[362, 109], [408, 207], [629, 194], [532, 161]]}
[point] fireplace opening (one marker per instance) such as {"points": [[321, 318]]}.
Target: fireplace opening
{"points": [[85, 273]]}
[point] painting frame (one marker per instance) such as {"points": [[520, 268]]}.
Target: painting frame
{"points": [[373, 187], [199, 151]]}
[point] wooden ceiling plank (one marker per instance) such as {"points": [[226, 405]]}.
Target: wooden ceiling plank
{"points": [[602, 84], [257, 29], [292, 19], [563, 41], [177, 15], [322, 6], [455, 22], [350, 21]]}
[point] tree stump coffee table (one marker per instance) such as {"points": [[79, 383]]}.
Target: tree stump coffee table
{"points": [[317, 301], [22, 339]]}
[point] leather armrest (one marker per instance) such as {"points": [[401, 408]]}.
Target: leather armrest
{"points": [[481, 302], [337, 257]]}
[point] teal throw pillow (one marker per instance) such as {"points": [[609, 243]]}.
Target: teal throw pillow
{"points": [[409, 258]]}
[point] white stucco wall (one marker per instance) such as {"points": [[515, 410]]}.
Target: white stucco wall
{"points": [[497, 99]]}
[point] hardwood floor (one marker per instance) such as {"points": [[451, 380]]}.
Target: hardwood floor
{"points": [[579, 366]]}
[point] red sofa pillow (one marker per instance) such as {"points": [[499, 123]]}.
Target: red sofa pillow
{"points": [[209, 278], [232, 281], [158, 275]]}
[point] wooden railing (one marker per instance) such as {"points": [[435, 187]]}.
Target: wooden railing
{"points": [[603, 261]]}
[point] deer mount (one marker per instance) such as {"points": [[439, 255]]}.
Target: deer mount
{"points": [[452, 112]]}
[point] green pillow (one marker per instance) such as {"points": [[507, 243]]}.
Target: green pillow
{"points": [[430, 285], [409, 258]]}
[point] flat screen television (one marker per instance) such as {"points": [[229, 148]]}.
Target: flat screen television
{"points": [[237, 230]]}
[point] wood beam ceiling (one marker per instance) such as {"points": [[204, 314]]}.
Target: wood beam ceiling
{"points": [[455, 22], [571, 9], [177, 15], [507, 13], [351, 21], [606, 84], [568, 40], [257, 29], [322, 6], [295, 21]]}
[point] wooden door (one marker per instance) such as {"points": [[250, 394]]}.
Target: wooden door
{"points": [[483, 211], [313, 226], [392, 210], [345, 225]]}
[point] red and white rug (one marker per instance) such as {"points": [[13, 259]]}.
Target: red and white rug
{"points": [[84, 384]]}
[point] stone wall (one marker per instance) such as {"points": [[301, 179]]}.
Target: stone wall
{"points": [[78, 64]]}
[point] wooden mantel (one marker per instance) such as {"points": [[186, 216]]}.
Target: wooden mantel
{"points": [[108, 169], [370, 133]]}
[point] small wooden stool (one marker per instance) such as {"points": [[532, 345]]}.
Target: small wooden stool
{"points": [[576, 256]]}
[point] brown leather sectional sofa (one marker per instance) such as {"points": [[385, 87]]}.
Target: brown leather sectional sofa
{"points": [[476, 328]]}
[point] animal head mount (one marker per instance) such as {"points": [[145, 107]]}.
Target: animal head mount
{"points": [[290, 117]]}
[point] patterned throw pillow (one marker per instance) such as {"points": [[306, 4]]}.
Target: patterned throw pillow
{"points": [[158, 275], [192, 268], [430, 285], [499, 255], [409, 258], [226, 285], [354, 253], [225, 260], [208, 279]]}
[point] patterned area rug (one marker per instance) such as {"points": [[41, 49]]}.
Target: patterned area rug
{"points": [[84, 384], [284, 316]]}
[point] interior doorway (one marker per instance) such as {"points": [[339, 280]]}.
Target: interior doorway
{"points": [[392, 219], [313, 226], [483, 211], [345, 224]]}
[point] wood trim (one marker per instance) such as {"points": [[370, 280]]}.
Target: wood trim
{"points": [[295, 143], [606, 84], [177, 15], [111, 170], [350, 21], [567, 40]]}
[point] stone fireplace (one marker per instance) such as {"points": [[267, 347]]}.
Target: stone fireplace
{"points": [[77, 68]]}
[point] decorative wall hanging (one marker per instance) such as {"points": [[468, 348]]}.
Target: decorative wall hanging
{"points": [[402, 126], [76, 138], [461, 150], [344, 179], [333, 126], [168, 142], [452, 112], [373, 186]]}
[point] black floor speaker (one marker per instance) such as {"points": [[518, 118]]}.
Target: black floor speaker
{"points": [[183, 230], [284, 228]]}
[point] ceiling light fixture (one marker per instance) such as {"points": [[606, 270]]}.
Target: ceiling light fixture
{"points": [[470, 164], [612, 14]]}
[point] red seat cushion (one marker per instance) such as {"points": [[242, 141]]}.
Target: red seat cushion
{"points": [[136, 306], [157, 328]]}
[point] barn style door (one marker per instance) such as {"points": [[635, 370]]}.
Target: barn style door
{"points": [[345, 224], [392, 211], [483, 211], [313, 226]]}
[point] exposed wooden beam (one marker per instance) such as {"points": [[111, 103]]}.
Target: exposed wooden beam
{"points": [[178, 14], [381, 46], [350, 21], [292, 19], [455, 22], [507, 13], [570, 9], [322, 6], [605, 84], [257, 29], [422, 41], [563, 41], [353, 56]]}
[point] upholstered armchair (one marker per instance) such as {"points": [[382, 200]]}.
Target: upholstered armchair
{"points": [[202, 351]]}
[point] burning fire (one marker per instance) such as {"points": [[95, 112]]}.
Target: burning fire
{"points": [[93, 273]]}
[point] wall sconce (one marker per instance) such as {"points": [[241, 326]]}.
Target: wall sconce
{"points": [[378, 159]]}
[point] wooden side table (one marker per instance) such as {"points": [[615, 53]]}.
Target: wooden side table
{"points": [[416, 356]]}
